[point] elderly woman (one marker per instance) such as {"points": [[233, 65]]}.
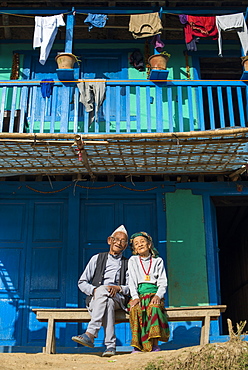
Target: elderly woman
{"points": [[147, 283]]}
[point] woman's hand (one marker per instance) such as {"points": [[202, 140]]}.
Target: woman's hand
{"points": [[133, 302], [155, 300]]}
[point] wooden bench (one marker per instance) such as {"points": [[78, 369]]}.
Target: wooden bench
{"points": [[196, 313]]}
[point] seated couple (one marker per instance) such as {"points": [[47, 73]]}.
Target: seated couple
{"points": [[109, 280]]}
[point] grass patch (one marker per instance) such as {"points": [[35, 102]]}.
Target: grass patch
{"points": [[232, 355]]}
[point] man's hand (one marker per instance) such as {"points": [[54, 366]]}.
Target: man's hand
{"points": [[134, 302], [113, 289], [155, 300]]}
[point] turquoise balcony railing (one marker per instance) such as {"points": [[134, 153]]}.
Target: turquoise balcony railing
{"points": [[129, 107]]}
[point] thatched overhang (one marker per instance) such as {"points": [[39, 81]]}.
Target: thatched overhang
{"points": [[210, 152]]}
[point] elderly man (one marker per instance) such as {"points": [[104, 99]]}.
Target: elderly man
{"points": [[105, 282]]}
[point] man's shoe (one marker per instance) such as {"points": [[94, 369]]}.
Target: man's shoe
{"points": [[109, 352], [84, 340]]}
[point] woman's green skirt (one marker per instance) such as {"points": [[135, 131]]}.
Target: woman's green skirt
{"points": [[148, 321]]}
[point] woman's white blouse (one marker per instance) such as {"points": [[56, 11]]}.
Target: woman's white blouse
{"points": [[137, 275]]}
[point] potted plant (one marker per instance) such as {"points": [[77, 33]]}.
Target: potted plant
{"points": [[244, 62], [159, 61], [66, 60]]}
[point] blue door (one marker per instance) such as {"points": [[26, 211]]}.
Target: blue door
{"points": [[32, 261], [13, 217], [45, 284], [98, 219]]}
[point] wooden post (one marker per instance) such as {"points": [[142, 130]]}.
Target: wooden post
{"points": [[205, 330], [50, 340]]}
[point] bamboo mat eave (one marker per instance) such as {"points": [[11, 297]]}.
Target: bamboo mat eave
{"points": [[216, 152]]}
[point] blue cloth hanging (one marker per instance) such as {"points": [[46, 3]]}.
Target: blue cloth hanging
{"points": [[96, 20], [46, 87]]}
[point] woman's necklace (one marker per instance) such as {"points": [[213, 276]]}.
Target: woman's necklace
{"points": [[147, 276]]}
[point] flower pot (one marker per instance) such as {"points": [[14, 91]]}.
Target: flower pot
{"points": [[158, 61], [65, 60], [244, 62]]}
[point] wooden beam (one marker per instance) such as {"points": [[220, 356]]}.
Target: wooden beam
{"points": [[235, 175], [114, 168], [115, 156], [165, 135], [111, 178], [51, 142], [168, 174], [118, 144], [7, 31]]}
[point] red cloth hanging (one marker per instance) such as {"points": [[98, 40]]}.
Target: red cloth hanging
{"points": [[200, 27]]}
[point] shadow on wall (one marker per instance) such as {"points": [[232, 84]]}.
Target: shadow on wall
{"points": [[182, 337]]}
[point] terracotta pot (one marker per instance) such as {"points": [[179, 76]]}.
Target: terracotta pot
{"points": [[158, 61], [244, 62], [65, 60]]}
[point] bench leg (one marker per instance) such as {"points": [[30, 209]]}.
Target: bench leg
{"points": [[205, 330], [50, 339]]}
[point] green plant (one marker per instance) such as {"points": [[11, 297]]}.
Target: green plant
{"points": [[166, 54], [154, 366]]}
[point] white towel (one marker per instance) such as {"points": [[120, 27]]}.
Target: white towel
{"points": [[45, 31], [233, 22]]}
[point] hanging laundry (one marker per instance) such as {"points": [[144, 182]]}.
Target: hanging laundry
{"points": [[198, 26], [191, 46], [145, 25], [183, 18], [96, 20], [46, 87], [157, 43], [45, 31], [92, 94], [233, 22], [137, 60]]}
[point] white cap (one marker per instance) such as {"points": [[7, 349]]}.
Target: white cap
{"points": [[120, 229]]}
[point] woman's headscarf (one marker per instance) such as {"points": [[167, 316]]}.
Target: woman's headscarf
{"points": [[153, 250]]}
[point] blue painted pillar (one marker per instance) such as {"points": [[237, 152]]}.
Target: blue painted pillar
{"points": [[70, 20], [212, 259], [160, 15]]}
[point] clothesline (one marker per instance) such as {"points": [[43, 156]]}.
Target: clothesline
{"points": [[147, 25], [118, 15]]}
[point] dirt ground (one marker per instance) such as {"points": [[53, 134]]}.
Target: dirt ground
{"points": [[231, 355], [39, 361]]}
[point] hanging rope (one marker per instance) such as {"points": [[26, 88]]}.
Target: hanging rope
{"points": [[48, 192], [90, 188], [15, 67]]}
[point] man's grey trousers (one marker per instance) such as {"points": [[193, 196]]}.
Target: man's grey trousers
{"points": [[102, 310]]}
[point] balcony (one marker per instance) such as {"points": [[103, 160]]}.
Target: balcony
{"points": [[130, 107], [145, 127]]}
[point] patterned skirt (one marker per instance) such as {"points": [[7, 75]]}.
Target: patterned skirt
{"points": [[147, 323]]}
